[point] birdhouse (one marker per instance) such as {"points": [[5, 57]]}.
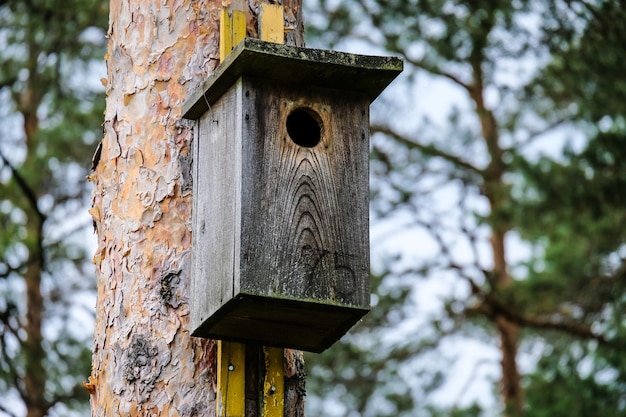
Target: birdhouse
{"points": [[280, 194]]}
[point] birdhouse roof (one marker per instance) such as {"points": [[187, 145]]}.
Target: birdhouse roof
{"points": [[363, 74]]}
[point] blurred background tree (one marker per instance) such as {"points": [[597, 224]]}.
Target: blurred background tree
{"points": [[496, 173], [498, 179], [51, 105]]}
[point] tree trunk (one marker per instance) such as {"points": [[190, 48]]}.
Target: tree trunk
{"points": [[35, 376], [144, 360], [495, 191], [508, 331]]}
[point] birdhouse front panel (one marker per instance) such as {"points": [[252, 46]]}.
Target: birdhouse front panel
{"points": [[305, 194], [281, 230]]}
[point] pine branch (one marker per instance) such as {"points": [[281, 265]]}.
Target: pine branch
{"points": [[575, 329], [467, 386], [13, 374], [436, 71], [9, 312], [64, 398], [69, 197], [69, 233], [430, 150], [8, 269], [8, 82], [591, 8], [28, 192], [533, 135], [494, 307]]}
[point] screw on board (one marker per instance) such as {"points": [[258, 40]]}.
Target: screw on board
{"points": [[231, 379], [274, 386]]}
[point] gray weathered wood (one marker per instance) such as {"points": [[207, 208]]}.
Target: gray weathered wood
{"points": [[216, 195], [281, 229], [364, 74], [306, 209]]}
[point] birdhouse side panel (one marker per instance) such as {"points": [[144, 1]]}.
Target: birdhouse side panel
{"points": [[305, 194], [217, 190]]}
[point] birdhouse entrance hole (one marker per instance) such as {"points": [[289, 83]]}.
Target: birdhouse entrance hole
{"points": [[304, 126]]}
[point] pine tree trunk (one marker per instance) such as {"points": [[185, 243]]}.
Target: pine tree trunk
{"points": [[144, 361], [497, 194], [35, 377], [511, 389]]}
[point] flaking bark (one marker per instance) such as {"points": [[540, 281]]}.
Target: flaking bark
{"points": [[144, 360]]}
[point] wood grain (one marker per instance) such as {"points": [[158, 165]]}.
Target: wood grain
{"points": [[289, 213], [217, 219], [290, 222], [305, 209]]}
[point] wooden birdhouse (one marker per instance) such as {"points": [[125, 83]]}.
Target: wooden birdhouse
{"points": [[280, 194]]}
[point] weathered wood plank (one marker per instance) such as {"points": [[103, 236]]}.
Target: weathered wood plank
{"points": [[231, 375], [368, 75], [232, 30], [271, 23], [273, 383], [306, 209], [309, 326], [216, 198]]}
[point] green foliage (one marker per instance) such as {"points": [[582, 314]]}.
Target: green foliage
{"points": [[574, 213], [351, 372], [576, 383], [587, 67], [519, 75], [50, 113]]}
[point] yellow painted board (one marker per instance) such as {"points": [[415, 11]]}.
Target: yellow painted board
{"points": [[272, 27], [232, 30], [231, 387], [239, 26], [226, 39], [274, 383]]}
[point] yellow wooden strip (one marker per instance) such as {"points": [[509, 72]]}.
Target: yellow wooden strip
{"points": [[226, 38], [232, 30], [231, 374], [273, 384], [239, 26], [272, 26]]}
